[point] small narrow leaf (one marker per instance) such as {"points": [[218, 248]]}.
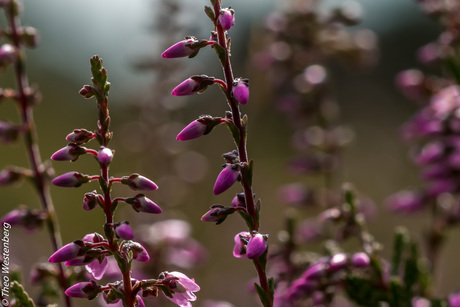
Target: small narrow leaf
{"points": [[262, 294], [247, 218], [271, 287], [235, 131], [221, 53], [248, 171], [210, 13], [399, 246]]}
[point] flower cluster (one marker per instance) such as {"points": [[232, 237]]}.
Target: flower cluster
{"points": [[251, 244], [93, 250]]}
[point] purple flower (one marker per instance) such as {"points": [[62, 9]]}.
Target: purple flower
{"points": [[182, 288], [257, 245], [226, 18], [7, 54], [239, 201], [79, 136], [70, 180], [405, 201], [241, 241], [83, 290], [96, 268], [69, 153], [454, 300], [14, 217], [124, 231], [217, 214], [143, 204], [240, 90], [10, 176], [430, 153], [140, 254], [90, 200], [181, 49], [226, 178], [67, 252], [338, 262], [193, 130], [138, 182], [420, 302], [316, 270], [186, 87], [104, 155], [360, 260]]}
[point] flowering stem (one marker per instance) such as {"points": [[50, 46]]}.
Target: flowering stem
{"points": [[241, 144], [30, 137]]}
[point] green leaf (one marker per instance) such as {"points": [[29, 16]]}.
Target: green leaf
{"points": [[21, 295], [263, 260], [210, 13], [453, 67], [361, 291], [262, 294], [221, 53], [247, 172], [247, 218], [398, 297], [399, 245], [271, 287], [235, 131], [412, 273]]}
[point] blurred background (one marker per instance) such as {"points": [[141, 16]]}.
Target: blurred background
{"points": [[130, 37]]}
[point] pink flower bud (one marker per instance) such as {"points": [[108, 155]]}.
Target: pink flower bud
{"points": [[14, 217], [69, 153], [104, 155], [226, 18], [96, 268], [241, 241], [338, 262], [90, 200], [80, 136], [239, 201], [143, 204], [139, 253], [257, 245], [317, 270], [360, 260], [181, 49], [82, 290], [193, 130], [70, 180], [454, 300], [124, 231], [217, 214], [181, 287], [8, 132], [7, 54], [67, 252], [240, 90], [10, 176], [187, 87], [138, 182], [226, 178]]}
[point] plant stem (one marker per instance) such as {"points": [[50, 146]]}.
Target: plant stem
{"points": [[30, 137], [242, 149]]}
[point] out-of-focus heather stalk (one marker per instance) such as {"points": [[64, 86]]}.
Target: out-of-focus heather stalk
{"points": [[27, 97]]}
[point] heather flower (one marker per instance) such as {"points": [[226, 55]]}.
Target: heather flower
{"points": [[316, 270], [240, 90], [10, 176], [7, 54], [90, 200], [238, 201], [181, 49], [241, 241], [181, 288], [124, 231], [139, 183], [454, 300], [83, 290], [140, 254], [14, 217], [69, 153], [256, 246], [80, 136], [97, 268], [217, 214], [430, 153], [70, 180], [420, 302], [67, 252], [143, 204], [186, 87], [360, 260], [226, 18], [226, 178], [338, 262], [105, 155], [405, 201], [193, 130]]}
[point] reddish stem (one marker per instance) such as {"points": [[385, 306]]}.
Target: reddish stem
{"points": [[30, 137]]}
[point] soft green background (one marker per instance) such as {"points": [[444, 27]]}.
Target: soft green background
{"points": [[119, 31]]}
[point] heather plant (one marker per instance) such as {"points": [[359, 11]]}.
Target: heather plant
{"points": [[251, 244], [16, 38], [94, 249]]}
